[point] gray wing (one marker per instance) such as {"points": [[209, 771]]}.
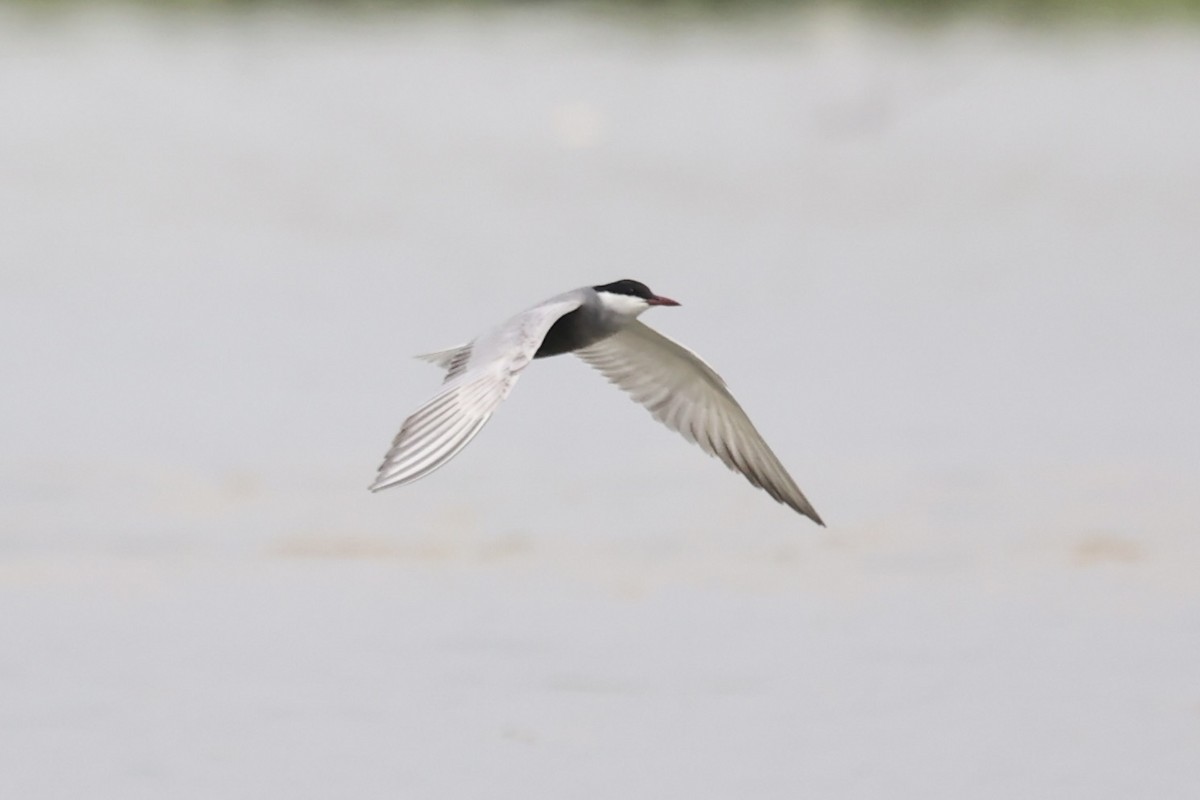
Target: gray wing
{"points": [[481, 375], [687, 396]]}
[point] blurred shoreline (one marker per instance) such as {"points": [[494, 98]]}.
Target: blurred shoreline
{"points": [[657, 12]]}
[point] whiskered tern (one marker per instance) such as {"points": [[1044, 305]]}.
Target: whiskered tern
{"points": [[600, 325]]}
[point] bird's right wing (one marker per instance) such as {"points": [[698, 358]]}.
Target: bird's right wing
{"points": [[481, 376], [687, 396]]}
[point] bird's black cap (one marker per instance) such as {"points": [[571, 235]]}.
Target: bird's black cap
{"points": [[633, 288]]}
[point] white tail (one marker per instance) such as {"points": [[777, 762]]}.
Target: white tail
{"points": [[454, 360]]}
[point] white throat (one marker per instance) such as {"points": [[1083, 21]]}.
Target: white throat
{"points": [[624, 305]]}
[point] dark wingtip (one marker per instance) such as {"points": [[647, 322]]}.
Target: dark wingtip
{"points": [[811, 513]]}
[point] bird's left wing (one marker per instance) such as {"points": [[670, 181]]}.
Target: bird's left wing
{"points": [[687, 396], [482, 376]]}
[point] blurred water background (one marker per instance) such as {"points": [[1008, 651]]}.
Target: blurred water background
{"points": [[947, 263]]}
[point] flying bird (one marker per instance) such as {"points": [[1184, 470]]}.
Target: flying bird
{"points": [[600, 325]]}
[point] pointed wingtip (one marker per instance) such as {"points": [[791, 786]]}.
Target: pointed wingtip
{"points": [[808, 511]]}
